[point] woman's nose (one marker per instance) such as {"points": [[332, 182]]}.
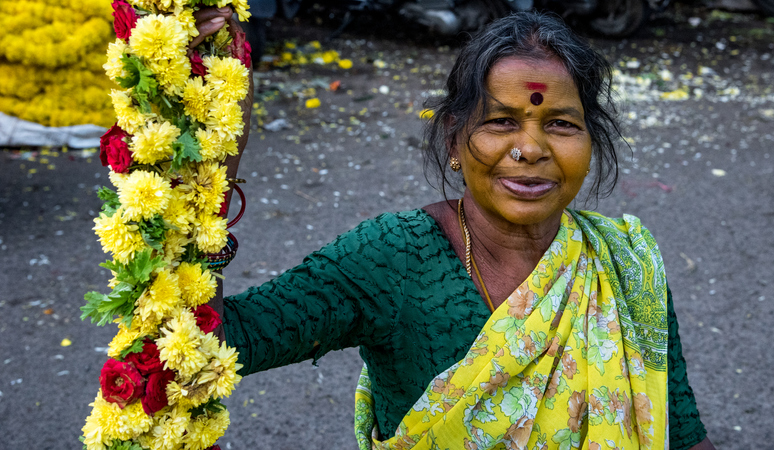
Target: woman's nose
{"points": [[528, 149]]}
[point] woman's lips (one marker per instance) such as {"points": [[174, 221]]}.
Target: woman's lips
{"points": [[528, 188]]}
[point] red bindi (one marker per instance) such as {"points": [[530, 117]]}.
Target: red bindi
{"points": [[536, 98]]}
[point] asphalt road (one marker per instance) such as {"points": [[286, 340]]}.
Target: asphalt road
{"points": [[700, 175]]}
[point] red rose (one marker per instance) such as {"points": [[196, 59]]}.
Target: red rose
{"points": [[124, 19], [147, 361], [155, 397], [240, 48], [114, 151], [206, 318], [197, 65], [121, 383]]}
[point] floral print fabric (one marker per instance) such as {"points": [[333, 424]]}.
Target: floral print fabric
{"points": [[574, 358]]}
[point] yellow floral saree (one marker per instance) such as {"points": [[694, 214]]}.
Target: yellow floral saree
{"points": [[576, 357]]}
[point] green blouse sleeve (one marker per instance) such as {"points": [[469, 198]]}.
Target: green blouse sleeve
{"points": [[345, 295], [685, 427]]}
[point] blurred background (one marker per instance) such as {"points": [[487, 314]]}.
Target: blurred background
{"points": [[336, 138]]}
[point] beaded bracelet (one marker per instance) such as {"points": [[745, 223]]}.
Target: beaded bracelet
{"points": [[219, 261]]}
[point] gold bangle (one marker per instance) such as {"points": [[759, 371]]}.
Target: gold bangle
{"points": [[236, 180]]}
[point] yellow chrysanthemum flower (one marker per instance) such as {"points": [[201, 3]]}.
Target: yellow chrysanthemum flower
{"points": [[227, 77], [114, 67], [230, 147], [174, 246], [211, 234], [188, 395], [118, 237], [123, 339], [222, 37], [127, 115], [153, 143], [113, 282], [225, 119], [171, 74], [226, 366], [117, 179], [197, 286], [95, 436], [242, 9], [187, 20], [160, 299], [158, 37], [210, 345], [203, 431], [144, 194], [179, 344], [211, 148], [196, 98], [205, 186], [168, 431], [180, 213], [108, 421]]}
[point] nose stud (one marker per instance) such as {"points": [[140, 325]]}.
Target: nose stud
{"points": [[515, 153]]}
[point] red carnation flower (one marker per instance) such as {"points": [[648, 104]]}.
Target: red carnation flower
{"points": [[155, 397], [114, 151], [124, 19], [206, 318], [147, 361], [240, 48], [197, 64], [121, 383]]}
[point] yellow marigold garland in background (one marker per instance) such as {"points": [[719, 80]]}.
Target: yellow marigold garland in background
{"points": [[178, 118], [51, 53]]}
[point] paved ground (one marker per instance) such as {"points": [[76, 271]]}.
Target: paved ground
{"points": [[699, 175]]}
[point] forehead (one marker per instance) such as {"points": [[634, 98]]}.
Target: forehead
{"points": [[519, 77]]}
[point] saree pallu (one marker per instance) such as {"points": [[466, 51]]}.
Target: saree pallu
{"points": [[576, 357]]}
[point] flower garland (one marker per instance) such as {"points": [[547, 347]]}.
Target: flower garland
{"points": [[50, 57], [178, 118]]}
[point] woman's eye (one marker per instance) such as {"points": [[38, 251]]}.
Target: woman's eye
{"points": [[502, 121], [564, 124]]}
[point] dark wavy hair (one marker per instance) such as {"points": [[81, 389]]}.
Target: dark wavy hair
{"points": [[534, 36]]}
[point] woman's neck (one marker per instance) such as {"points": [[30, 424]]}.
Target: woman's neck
{"points": [[505, 253]]}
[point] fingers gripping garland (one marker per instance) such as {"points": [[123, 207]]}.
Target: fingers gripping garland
{"points": [[178, 119]]}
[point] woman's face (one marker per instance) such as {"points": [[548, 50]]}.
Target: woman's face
{"points": [[535, 107]]}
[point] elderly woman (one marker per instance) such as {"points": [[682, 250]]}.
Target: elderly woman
{"points": [[502, 319]]}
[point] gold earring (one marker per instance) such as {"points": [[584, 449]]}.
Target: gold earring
{"points": [[455, 165]]}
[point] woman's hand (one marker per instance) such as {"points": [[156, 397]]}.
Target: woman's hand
{"points": [[209, 21]]}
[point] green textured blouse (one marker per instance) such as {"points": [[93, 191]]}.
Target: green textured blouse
{"points": [[394, 287]]}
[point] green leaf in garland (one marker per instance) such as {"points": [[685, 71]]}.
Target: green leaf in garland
{"points": [[110, 199], [139, 269], [138, 76], [101, 308], [153, 232], [169, 108], [91, 309], [124, 445], [136, 347], [194, 256], [186, 149], [211, 406], [142, 100]]}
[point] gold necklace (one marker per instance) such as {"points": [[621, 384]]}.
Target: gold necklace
{"points": [[469, 260]]}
